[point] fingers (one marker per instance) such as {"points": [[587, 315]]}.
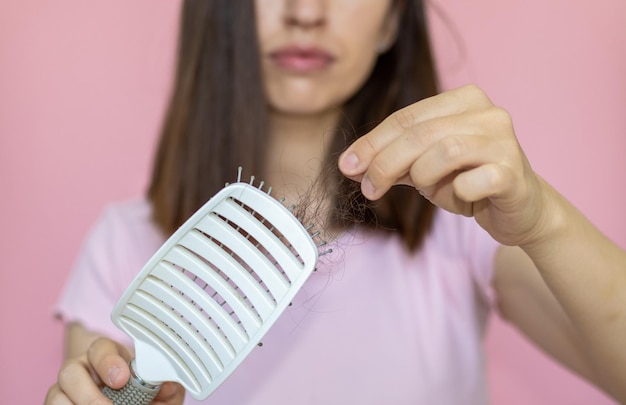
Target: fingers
{"points": [[457, 102], [432, 151], [80, 379], [356, 159], [171, 393], [110, 360], [456, 153], [487, 181], [461, 153], [56, 396], [77, 385], [391, 164], [406, 150]]}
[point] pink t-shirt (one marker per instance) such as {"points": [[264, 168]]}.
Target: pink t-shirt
{"points": [[374, 324]]}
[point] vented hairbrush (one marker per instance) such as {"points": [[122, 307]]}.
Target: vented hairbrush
{"points": [[212, 291]]}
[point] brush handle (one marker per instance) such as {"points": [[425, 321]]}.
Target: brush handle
{"points": [[135, 392]]}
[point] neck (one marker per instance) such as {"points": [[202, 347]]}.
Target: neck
{"points": [[302, 128], [298, 144]]}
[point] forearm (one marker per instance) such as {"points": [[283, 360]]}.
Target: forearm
{"points": [[586, 272]]}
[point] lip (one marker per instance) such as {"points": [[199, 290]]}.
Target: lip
{"points": [[302, 59]]}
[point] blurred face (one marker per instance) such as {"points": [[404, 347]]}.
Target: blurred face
{"points": [[317, 53]]}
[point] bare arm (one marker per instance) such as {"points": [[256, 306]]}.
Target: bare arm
{"points": [[526, 301], [586, 273], [460, 151]]}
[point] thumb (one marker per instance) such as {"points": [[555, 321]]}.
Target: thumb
{"points": [[110, 360]]}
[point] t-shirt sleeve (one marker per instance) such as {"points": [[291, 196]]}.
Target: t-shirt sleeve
{"points": [[93, 286]]}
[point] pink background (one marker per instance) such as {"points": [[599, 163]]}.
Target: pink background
{"points": [[83, 87]]}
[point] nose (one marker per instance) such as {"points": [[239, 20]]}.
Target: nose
{"points": [[305, 14]]}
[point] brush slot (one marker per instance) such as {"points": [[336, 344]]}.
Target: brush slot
{"points": [[249, 256], [155, 325], [199, 253], [266, 235], [143, 327], [212, 339], [202, 355], [213, 310], [217, 260], [285, 222]]}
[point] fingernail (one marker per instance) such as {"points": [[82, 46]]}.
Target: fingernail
{"points": [[367, 188], [112, 375], [350, 162]]}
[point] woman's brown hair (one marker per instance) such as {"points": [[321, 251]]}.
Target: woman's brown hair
{"points": [[217, 118]]}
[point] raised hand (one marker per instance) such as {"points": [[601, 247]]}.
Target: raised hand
{"points": [[459, 150]]}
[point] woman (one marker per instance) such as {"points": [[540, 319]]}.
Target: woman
{"points": [[397, 316]]}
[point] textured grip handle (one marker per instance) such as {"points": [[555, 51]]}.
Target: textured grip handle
{"points": [[135, 392]]}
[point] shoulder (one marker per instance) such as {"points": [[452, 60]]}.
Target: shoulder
{"points": [[127, 220], [137, 212], [124, 235], [117, 246]]}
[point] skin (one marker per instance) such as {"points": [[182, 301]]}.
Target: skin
{"points": [[558, 279], [349, 31], [304, 106]]}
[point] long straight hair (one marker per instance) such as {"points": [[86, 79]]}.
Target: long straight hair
{"points": [[217, 118]]}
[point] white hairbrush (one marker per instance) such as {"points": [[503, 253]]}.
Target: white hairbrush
{"points": [[212, 291]]}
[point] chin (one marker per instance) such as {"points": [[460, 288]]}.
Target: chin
{"points": [[300, 97], [302, 111], [307, 104]]}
